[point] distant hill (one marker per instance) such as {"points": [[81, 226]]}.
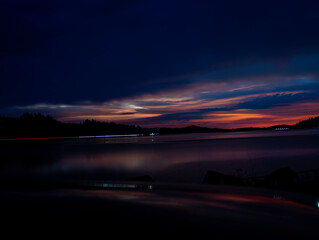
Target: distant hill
{"points": [[189, 129], [197, 129]]}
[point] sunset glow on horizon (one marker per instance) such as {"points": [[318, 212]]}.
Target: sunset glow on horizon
{"points": [[235, 105]]}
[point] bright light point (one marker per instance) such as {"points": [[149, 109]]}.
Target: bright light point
{"points": [[318, 204]]}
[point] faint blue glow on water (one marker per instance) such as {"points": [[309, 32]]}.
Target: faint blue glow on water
{"points": [[114, 185], [123, 186]]}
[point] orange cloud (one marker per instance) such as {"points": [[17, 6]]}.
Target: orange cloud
{"points": [[260, 117]]}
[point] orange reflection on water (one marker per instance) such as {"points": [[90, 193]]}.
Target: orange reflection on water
{"points": [[183, 200], [252, 199]]}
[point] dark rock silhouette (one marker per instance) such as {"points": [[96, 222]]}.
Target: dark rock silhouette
{"points": [[282, 178], [213, 177]]}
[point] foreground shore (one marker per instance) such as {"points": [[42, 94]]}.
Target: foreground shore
{"points": [[148, 209]]}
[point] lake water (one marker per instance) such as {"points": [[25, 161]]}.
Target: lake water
{"points": [[166, 158]]}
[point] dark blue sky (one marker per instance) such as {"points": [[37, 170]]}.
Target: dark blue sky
{"points": [[78, 59]]}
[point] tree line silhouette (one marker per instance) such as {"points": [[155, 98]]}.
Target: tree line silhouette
{"points": [[39, 125], [309, 123]]}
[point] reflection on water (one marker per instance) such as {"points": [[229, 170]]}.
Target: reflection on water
{"points": [[208, 201], [184, 157], [200, 136]]}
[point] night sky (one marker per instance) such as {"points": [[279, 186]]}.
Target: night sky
{"points": [[161, 62]]}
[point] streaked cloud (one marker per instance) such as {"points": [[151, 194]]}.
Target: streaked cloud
{"points": [[235, 104]]}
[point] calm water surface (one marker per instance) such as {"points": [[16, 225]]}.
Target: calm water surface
{"points": [[166, 158]]}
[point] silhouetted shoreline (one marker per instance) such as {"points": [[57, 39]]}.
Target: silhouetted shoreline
{"points": [[38, 125]]}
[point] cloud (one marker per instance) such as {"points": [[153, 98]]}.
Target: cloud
{"points": [[240, 102], [283, 99], [70, 51], [40, 106]]}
